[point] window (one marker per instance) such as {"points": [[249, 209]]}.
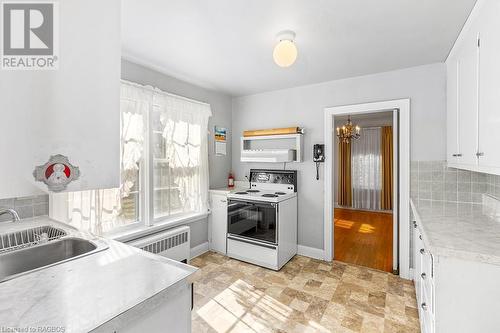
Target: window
{"points": [[179, 131], [164, 166], [366, 163]]}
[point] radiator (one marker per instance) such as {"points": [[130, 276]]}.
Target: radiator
{"points": [[173, 244]]}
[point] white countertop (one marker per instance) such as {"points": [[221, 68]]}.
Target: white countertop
{"points": [[82, 294], [239, 185], [460, 230], [222, 190], [227, 190]]}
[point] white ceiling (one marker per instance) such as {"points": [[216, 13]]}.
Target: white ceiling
{"points": [[227, 45]]}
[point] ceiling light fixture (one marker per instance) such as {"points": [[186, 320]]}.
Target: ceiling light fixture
{"points": [[285, 52]]}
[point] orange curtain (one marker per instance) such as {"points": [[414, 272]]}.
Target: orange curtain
{"points": [[387, 164], [344, 190]]}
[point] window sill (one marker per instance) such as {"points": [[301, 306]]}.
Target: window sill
{"points": [[142, 231]]}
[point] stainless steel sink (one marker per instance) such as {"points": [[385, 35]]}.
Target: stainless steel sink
{"points": [[18, 262]]}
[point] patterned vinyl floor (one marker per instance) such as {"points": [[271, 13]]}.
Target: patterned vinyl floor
{"points": [[307, 295]]}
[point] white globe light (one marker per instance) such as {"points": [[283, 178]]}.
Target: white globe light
{"points": [[285, 52]]}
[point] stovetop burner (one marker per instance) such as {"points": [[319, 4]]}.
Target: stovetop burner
{"points": [[241, 193], [269, 195], [280, 193], [253, 191]]}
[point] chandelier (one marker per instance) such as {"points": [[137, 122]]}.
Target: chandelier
{"points": [[348, 132]]}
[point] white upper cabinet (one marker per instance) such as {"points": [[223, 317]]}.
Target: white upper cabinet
{"points": [[489, 85], [473, 90], [468, 98], [73, 111], [452, 148]]}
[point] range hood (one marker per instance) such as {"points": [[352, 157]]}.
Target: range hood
{"points": [[268, 155]]}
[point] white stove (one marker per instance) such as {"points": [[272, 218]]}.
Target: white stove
{"points": [[262, 220]]}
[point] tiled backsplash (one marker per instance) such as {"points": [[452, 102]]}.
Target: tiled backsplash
{"points": [[433, 180], [493, 185], [26, 207]]}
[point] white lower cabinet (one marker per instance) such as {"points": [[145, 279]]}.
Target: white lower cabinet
{"points": [[167, 311], [454, 295], [217, 222], [424, 283]]}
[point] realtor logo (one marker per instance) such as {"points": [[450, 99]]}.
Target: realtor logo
{"points": [[29, 36]]}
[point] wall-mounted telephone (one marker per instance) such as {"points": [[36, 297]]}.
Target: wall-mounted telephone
{"points": [[318, 157]]}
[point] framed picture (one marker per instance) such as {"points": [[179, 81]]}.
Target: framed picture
{"points": [[220, 136]]}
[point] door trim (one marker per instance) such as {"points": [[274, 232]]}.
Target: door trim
{"points": [[402, 243]]}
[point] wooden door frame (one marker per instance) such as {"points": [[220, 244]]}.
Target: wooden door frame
{"points": [[401, 237]]}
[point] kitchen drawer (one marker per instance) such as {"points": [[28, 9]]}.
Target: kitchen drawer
{"points": [[426, 311], [427, 323], [419, 243], [426, 262], [255, 254], [428, 295]]}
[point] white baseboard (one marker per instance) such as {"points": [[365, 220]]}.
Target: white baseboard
{"points": [[311, 252], [302, 250], [198, 250]]}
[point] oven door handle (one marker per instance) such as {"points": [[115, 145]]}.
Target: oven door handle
{"points": [[246, 240], [231, 203]]}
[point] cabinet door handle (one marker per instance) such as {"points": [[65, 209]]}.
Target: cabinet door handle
{"points": [[422, 251], [414, 224], [192, 297], [457, 155], [424, 306], [479, 154], [420, 237], [423, 275]]}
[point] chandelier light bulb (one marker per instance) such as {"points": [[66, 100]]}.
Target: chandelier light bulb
{"points": [[285, 52]]}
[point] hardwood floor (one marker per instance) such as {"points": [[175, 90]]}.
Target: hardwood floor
{"points": [[364, 238]]}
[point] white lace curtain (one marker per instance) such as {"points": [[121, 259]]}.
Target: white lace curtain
{"points": [[184, 127], [366, 164], [135, 104]]}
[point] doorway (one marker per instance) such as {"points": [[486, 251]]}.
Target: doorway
{"points": [[364, 176], [400, 204]]}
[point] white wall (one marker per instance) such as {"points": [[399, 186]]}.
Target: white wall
{"points": [[73, 111], [219, 166], [303, 106]]}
